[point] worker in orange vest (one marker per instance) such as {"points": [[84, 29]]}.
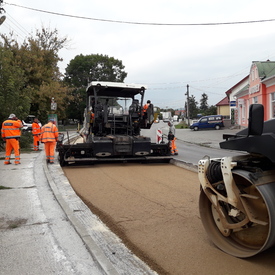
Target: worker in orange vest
{"points": [[148, 113], [172, 138], [49, 136], [145, 107], [11, 134], [36, 131]]}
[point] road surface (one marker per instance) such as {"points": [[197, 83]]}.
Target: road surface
{"points": [[153, 208]]}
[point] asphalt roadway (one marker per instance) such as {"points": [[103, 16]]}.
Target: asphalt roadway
{"points": [[46, 229]]}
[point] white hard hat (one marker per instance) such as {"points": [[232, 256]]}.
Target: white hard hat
{"points": [[12, 116]]}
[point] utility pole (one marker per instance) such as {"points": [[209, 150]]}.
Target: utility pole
{"points": [[3, 17], [187, 111]]}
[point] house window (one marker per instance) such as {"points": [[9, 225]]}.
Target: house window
{"points": [[255, 100]]}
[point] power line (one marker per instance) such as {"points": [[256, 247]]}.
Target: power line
{"points": [[18, 25], [12, 30], [145, 23]]}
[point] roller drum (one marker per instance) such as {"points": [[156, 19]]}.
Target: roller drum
{"points": [[252, 238]]}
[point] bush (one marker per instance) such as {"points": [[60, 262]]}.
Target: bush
{"points": [[181, 125], [26, 140]]}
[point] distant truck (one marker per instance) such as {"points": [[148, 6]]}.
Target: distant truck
{"points": [[175, 118], [166, 116]]}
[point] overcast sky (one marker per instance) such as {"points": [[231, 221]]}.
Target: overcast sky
{"points": [[154, 41]]}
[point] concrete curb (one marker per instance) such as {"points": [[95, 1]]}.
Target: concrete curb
{"points": [[185, 165]]}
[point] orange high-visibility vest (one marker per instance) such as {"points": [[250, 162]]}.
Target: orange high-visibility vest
{"points": [[145, 107], [49, 133], [11, 129], [36, 129]]}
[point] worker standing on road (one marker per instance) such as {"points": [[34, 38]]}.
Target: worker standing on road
{"points": [[172, 138], [11, 134], [36, 131], [49, 136]]}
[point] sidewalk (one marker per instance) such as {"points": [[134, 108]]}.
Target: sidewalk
{"points": [[36, 237], [211, 138]]}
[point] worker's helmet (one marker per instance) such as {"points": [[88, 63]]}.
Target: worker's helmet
{"points": [[12, 116]]}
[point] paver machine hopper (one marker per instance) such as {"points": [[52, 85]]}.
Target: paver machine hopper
{"points": [[113, 120]]}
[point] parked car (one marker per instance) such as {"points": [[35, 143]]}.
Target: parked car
{"points": [[214, 121], [27, 123]]}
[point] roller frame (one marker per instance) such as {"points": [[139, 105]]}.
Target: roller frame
{"points": [[218, 222]]}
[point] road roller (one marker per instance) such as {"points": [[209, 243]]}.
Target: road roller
{"points": [[113, 119], [237, 194]]}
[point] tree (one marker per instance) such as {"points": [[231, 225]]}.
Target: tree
{"points": [[14, 93], [212, 110], [203, 103], [37, 59], [84, 69], [193, 109]]}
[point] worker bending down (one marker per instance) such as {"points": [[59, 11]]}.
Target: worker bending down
{"points": [[49, 136], [172, 138], [11, 134]]}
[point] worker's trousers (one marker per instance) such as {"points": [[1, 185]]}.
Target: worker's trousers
{"points": [[36, 139], [12, 144], [173, 147], [49, 150]]}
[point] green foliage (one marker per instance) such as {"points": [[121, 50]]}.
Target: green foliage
{"points": [[30, 77], [193, 109], [181, 125], [84, 69], [26, 140], [95, 67], [14, 95], [212, 110], [203, 102], [203, 109], [4, 187]]}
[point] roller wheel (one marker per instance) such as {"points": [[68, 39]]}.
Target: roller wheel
{"points": [[61, 160], [247, 240]]}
